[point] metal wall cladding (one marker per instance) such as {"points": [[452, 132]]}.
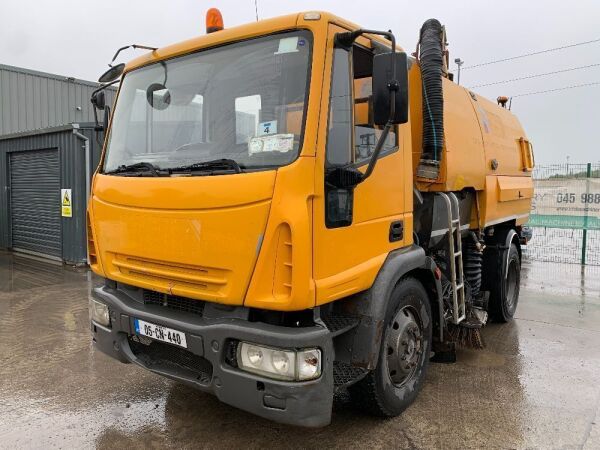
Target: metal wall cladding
{"points": [[34, 192], [31, 150], [31, 100]]}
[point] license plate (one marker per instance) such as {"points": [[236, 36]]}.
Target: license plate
{"points": [[160, 333]]}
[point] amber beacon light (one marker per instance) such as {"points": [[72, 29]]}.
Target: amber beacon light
{"points": [[214, 20]]}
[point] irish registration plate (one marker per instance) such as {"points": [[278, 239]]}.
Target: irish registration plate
{"points": [[160, 333]]}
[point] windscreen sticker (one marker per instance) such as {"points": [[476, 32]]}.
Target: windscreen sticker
{"points": [[265, 128], [288, 45], [282, 143]]}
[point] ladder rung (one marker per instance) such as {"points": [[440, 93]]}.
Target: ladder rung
{"points": [[459, 286], [457, 253], [456, 221]]}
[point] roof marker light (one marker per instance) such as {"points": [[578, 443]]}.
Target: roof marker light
{"points": [[313, 15], [214, 20]]}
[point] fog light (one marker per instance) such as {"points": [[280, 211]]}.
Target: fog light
{"points": [[99, 312], [278, 363]]}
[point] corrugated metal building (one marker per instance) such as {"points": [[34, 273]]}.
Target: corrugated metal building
{"points": [[31, 100], [34, 167], [48, 150]]}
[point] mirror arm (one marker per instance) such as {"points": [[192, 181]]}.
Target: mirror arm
{"points": [[97, 127], [104, 86], [106, 118], [135, 46]]}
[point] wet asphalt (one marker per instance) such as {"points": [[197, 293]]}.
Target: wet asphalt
{"points": [[535, 385]]}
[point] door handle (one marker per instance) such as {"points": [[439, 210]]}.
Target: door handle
{"points": [[396, 231]]}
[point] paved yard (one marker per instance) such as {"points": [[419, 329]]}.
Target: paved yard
{"points": [[537, 384]]}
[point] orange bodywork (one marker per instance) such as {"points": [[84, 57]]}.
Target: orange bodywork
{"points": [[259, 239], [485, 149]]}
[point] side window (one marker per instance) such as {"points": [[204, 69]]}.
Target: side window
{"points": [[366, 133], [247, 117], [339, 137]]}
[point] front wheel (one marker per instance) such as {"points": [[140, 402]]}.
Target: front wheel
{"points": [[404, 354]]}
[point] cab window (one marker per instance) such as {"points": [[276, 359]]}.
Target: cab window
{"points": [[366, 133], [352, 135], [339, 133]]}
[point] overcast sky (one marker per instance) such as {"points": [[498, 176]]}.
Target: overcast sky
{"points": [[78, 37]]}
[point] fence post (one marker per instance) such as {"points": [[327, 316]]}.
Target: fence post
{"points": [[585, 219]]}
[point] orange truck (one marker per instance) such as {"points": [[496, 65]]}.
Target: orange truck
{"points": [[295, 207]]}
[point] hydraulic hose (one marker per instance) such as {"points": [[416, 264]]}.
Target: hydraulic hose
{"points": [[431, 58]]}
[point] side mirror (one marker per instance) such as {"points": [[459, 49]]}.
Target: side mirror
{"points": [[112, 74], [385, 90], [98, 100]]}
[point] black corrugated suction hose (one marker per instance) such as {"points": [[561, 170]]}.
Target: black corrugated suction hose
{"points": [[432, 61]]}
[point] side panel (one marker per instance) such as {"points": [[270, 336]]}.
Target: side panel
{"points": [[347, 259], [501, 133], [505, 198], [282, 276]]}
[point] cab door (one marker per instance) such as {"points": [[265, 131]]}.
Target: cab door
{"points": [[355, 229]]}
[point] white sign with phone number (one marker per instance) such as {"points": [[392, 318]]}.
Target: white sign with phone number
{"points": [[566, 203]]}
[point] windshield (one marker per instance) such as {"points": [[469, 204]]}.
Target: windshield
{"points": [[243, 102]]}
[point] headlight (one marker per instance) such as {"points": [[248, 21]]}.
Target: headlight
{"points": [[279, 363], [99, 312]]}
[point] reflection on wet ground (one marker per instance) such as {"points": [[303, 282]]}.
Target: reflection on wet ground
{"points": [[537, 384]]}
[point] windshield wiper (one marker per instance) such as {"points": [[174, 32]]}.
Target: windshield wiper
{"points": [[138, 169], [209, 167]]}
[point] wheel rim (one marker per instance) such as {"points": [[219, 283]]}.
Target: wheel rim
{"points": [[404, 345], [512, 286]]}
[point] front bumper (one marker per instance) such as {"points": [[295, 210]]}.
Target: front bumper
{"points": [[206, 364]]}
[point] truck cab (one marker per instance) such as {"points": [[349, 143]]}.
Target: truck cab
{"points": [[252, 219]]}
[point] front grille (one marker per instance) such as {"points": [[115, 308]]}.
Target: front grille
{"points": [[173, 302], [157, 355], [206, 280]]}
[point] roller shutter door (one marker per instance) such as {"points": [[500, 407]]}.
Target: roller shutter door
{"points": [[35, 202]]}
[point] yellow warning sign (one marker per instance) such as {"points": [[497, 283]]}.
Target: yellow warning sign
{"points": [[65, 203]]}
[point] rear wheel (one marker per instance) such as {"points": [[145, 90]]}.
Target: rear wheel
{"points": [[504, 294], [404, 354]]}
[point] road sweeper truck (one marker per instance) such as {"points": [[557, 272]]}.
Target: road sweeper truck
{"points": [[295, 207]]}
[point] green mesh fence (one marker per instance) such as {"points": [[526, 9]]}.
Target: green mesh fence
{"points": [[565, 215]]}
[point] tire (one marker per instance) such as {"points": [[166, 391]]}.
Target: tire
{"points": [[394, 384], [504, 292]]}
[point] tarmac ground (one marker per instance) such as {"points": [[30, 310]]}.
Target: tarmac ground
{"points": [[535, 385]]}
